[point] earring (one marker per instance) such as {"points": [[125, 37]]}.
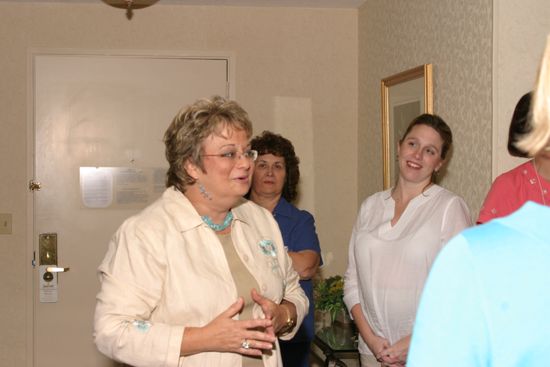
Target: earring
{"points": [[203, 192]]}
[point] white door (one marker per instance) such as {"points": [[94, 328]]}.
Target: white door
{"points": [[99, 157]]}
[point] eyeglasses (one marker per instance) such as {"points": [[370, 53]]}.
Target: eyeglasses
{"points": [[232, 156]]}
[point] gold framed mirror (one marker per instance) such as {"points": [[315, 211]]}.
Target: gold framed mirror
{"points": [[405, 95]]}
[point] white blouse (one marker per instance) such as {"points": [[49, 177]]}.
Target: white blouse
{"points": [[388, 265]]}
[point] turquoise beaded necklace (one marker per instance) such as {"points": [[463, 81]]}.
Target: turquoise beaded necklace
{"points": [[218, 227]]}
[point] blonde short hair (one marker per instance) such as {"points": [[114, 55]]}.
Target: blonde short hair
{"points": [[191, 126], [539, 136]]}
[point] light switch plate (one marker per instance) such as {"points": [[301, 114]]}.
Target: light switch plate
{"points": [[5, 223]]}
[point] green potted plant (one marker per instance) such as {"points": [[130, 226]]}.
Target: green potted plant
{"points": [[329, 296]]}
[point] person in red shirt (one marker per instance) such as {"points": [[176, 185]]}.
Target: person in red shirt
{"points": [[529, 181]]}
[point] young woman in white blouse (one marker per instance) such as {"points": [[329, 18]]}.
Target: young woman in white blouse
{"points": [[396, 238]]}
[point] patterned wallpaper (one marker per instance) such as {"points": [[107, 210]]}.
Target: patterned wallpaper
{"points": [[454, 36]]}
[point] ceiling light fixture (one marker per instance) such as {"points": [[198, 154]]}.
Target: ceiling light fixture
{"points": [[130, 5]]}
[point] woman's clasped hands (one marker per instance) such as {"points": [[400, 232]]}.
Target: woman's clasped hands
{"points": [[224, 334], [394, 355], [248, 337]]}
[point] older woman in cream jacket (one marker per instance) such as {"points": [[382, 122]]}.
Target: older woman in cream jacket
{"points": [[200, 277]]}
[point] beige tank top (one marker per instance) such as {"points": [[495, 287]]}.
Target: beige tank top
{"points": [[244, 282]]}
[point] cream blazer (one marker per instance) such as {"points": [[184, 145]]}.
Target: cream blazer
{"points": [[165, 270]]}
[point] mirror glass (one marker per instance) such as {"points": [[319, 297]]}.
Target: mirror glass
{"points": [[404, 96]]}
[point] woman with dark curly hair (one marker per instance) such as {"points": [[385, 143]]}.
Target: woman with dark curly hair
{"points": [[274, 187]]}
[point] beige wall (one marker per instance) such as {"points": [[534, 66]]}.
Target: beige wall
{"points": [[456, 37], [323, 66], [303, 59]]}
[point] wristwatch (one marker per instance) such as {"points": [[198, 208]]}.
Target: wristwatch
{"points": [[289, 324]]}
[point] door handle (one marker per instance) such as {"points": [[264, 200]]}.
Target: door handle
{"points": [[48, 268], [57, 269]]}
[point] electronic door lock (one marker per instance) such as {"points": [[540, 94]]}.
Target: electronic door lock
{"points": [[48, 268]]}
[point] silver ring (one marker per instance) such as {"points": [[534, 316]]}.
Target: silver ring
{"points": [[245, 344]]}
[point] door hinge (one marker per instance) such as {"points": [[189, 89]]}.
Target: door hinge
{"points": [[34, 186]]}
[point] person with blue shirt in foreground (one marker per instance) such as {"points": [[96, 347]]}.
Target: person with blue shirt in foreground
{"points": [[487, 298], [274, 187]]}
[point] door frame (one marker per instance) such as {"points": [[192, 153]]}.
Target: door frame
{"points": [[31, 283]]}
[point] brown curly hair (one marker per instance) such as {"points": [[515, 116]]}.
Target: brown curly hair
{"points": [[191, 126], [271, 143]]}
